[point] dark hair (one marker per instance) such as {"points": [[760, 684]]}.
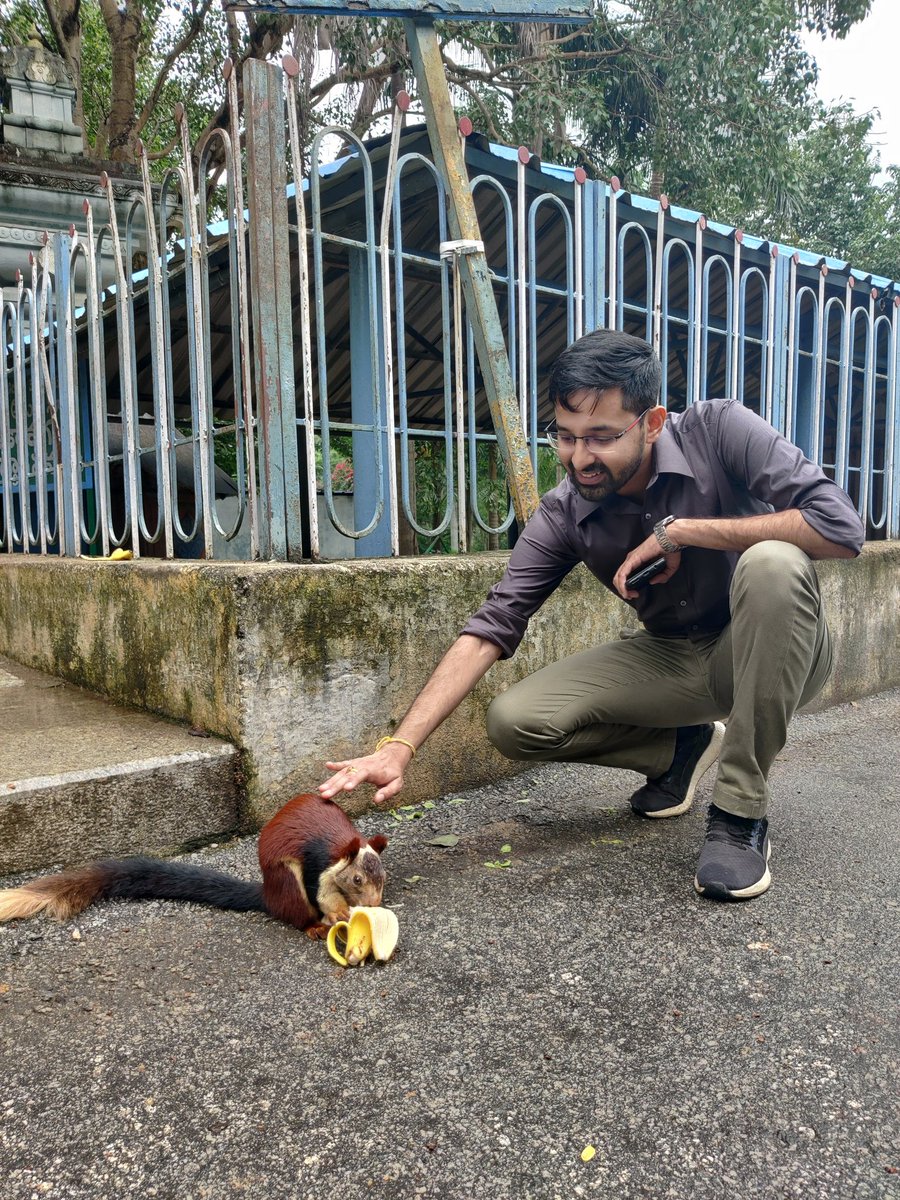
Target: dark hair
{"points": [[607, 358]]}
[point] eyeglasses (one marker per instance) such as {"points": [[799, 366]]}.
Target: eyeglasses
{"points": [[594, 443]]}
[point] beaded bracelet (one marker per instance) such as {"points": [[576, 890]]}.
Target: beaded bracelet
{"points": [[384, 741]]}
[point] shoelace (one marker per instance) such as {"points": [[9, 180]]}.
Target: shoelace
{"points": [[724, 827]]}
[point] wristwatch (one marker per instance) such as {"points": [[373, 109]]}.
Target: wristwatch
{"points": [[666, 543]]}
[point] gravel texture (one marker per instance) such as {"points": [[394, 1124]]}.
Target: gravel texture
{"points": [[582, 996]]}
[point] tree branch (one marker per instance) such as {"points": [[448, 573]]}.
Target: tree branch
{"points": [[190, 35]]}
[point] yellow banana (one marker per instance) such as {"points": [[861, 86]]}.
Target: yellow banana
{"points": [[368, 931], [118, 555]]}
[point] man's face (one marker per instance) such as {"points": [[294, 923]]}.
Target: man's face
{"points": [[596, 469]]}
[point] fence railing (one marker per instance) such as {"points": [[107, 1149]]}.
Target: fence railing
{"points": [[297, 378]]}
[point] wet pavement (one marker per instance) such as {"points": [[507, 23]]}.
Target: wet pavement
{"points": [[581, 996]]}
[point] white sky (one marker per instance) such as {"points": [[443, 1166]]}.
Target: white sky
{"points": [[863, 68]]}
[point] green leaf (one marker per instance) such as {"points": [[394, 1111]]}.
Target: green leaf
{"points": [[507, 849], [500, 864], [444, 839]]}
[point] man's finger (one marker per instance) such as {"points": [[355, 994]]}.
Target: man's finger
{"points": [[388, 791]]}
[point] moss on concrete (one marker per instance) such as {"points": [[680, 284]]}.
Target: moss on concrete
{"points": [[299, 663]]}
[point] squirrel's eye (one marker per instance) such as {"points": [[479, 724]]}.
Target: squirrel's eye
{"points": [[357, 879]]}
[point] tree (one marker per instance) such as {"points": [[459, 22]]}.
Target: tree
{"points": [[700, 99], [131, 60], [713, 103], [845, 211]]}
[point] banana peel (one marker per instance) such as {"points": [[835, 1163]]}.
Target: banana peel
{"points": [[119, 555], [367, 931]]}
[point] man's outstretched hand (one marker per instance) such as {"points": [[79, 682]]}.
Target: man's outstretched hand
{"points": [[384, 769]]}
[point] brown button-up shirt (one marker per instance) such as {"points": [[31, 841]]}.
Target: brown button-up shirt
{"points": [[717, 459]]}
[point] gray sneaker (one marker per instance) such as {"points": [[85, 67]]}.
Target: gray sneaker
{"points": [[734, 862], [696, 749]]}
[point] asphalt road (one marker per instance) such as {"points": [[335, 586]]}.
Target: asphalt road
{"points": [[582, 996]]}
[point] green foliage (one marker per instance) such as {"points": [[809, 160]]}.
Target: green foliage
{"points": [[845, 212], [181, 47], [493, 493], [709, 102], [340, 453]]}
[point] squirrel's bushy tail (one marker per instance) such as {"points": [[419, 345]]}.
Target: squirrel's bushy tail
{"points": [[70, 892]]}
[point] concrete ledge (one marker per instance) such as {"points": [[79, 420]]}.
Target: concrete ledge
{"points": [[81, 777], [298, 663], [155, 806]]}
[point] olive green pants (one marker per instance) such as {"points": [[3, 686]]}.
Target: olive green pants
{"points": [[619, 705]]}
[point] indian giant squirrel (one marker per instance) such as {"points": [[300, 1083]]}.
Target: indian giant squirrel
{"points": [[315, 867]]}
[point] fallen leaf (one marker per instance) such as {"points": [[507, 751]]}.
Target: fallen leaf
{"points": [[588, 1153], [507, 849], [759, 946], [500, 863], [4, 988], [428, 804], [611, 841], [444, 839], [413, 879]]}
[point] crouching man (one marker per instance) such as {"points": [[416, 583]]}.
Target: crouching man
{"points": [[733, 626]]}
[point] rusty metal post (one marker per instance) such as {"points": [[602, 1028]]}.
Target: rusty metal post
{"points": [[270, 297], [480, 303]]}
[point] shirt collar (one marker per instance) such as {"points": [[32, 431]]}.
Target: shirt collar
{"points": [[668, 459]]}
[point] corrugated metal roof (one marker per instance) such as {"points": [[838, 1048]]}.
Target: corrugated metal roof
{"points": [[344, 213]]}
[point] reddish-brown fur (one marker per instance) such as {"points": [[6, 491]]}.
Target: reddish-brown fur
{"points": [[309, 832], [288, 837], [307, 817]]}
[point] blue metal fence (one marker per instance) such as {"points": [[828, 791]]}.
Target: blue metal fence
{"points": [[146, 412]]}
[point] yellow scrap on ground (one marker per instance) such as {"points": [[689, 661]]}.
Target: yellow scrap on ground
{"points": [[116, 556]]}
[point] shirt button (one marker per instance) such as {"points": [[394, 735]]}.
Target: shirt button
{"points": [[684, 603], [694, 627], [648, 517]]}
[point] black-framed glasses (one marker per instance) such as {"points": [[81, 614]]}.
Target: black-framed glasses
{"points": [[594, 443]]}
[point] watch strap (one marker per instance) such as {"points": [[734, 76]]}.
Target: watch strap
{"points": [[662, 536]]}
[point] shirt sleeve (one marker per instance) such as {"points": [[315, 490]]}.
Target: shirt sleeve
{"points": [[777, 472], [540, 560]]}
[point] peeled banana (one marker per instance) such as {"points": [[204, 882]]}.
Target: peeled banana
{"points": [[118, 555], [367, 931]]}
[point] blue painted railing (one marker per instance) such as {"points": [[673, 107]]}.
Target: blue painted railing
{"points": [[134, 411]]}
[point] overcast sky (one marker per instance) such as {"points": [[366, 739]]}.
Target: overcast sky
{"points": [[864, 69]]}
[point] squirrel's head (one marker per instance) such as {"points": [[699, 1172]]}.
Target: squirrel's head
{"points": [[359, 874]]}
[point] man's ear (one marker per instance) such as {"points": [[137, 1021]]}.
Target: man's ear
{"points": [[656, 419]]}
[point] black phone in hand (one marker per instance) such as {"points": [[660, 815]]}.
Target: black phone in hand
{"points": [[642, 576]]}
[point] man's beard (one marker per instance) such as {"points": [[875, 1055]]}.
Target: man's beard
{"points": [[609, 481]]}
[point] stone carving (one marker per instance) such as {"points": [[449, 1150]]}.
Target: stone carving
{"points": [[33, 63]]}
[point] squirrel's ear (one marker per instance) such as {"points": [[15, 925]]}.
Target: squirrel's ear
{"points": [[378, 843], [349, 851]]}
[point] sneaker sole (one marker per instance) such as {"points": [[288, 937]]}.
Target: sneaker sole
{"points": [[718, 891], [709, 756]]}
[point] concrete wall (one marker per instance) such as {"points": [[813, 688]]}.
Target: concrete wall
{"points": [[300, 663]]}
